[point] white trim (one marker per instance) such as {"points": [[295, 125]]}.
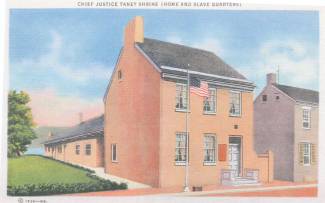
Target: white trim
{"points": [[307, 108], [272, 86], [147, 57], [180, 163], [209, 163], [240, 103], [217, 83], [187, 102], [114, 160], [215, 102], [205, 74], [309, 153]]}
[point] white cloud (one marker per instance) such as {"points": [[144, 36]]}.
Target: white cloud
{"points": [[298, 65]]}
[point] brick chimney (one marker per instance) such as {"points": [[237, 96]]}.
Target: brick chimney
{"points": [[133, 32], [81, 117], [49, 135], [271, 78]]}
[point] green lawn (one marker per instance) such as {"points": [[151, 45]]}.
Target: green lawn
{"points": [[36, 169]]}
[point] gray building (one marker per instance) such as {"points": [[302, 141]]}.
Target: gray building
{"points": [[286, 122]]}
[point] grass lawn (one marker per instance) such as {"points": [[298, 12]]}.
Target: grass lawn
{"points": [[36, 169]]}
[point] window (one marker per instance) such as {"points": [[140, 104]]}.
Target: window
{"points": [[305, 153], [235, 103], [264, 97], [60, 148], [181, 97], [209, 103], [277, 97], [306, 118], [119, 74], [181, 149], [209, 149], [77, 149], [88, 149], [114, 153]]}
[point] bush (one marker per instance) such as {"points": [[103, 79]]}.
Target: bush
{"points": [[51, 189]]}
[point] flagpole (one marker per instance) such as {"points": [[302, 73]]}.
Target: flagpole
{"points": [[186, 187]]}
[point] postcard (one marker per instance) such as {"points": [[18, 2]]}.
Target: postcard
{"points": [[162, 101]]}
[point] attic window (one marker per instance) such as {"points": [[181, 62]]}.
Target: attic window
{"points": [[119, 74], [277, 97], [264, 98]]}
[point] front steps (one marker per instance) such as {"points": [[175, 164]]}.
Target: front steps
{"points": [[241, 181]]}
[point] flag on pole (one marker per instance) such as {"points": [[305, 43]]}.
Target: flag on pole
{"points": [[198, 87]]}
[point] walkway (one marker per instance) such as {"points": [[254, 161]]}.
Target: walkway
{"points": [[276, 188]]}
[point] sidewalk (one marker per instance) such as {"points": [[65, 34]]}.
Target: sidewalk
{"points": [[131, 184], [217, 190]]}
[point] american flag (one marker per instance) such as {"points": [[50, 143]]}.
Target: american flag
{"points": [[199, 87]]}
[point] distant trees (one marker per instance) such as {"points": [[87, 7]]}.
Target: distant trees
{"points": [[20, 123]]}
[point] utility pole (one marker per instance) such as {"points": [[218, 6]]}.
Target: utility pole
{"points": [[186, 186], [278, 78]]}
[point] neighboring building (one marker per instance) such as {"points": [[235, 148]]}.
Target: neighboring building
{"points": [[81, 144], [286, 122], [145, 105]]}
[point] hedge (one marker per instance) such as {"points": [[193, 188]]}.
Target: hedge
{"points": [[66, 188], [51, 189]]}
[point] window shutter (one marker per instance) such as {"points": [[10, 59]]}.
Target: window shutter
{"points": [[301, 154], [313, 154], [222, 152]]}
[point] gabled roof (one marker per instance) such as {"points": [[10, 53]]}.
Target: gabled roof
{"points": [[179, 56], [299, 94], [91, 127]]}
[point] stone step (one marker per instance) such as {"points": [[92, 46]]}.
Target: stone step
{"points": [[240, 181]]}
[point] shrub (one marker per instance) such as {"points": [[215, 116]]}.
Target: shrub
{"points": [[57, 188]]}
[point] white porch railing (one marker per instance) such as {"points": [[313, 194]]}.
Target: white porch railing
{"points": [[249, 176]]}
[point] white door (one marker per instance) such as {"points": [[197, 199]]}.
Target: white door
{"points": [[234, 158]]}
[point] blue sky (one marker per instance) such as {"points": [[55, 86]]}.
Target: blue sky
{"points": [[71, 52]]}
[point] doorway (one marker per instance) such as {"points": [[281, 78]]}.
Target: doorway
{"points": [[234, 154]]}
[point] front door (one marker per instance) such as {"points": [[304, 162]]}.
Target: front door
{"points": [[234, 154]]}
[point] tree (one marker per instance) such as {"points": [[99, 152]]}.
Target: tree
{"points": [[20, 123]]}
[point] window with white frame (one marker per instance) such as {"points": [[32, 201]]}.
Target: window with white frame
{"points": [[181, 149], [77, 149], [88, 149], [209, 148], [235, 103], [306, 153], [181, 97], [114, 153], [209, 103], [306, 117]]}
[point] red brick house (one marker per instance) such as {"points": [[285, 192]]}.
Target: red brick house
{"points": [[145, 110]]}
